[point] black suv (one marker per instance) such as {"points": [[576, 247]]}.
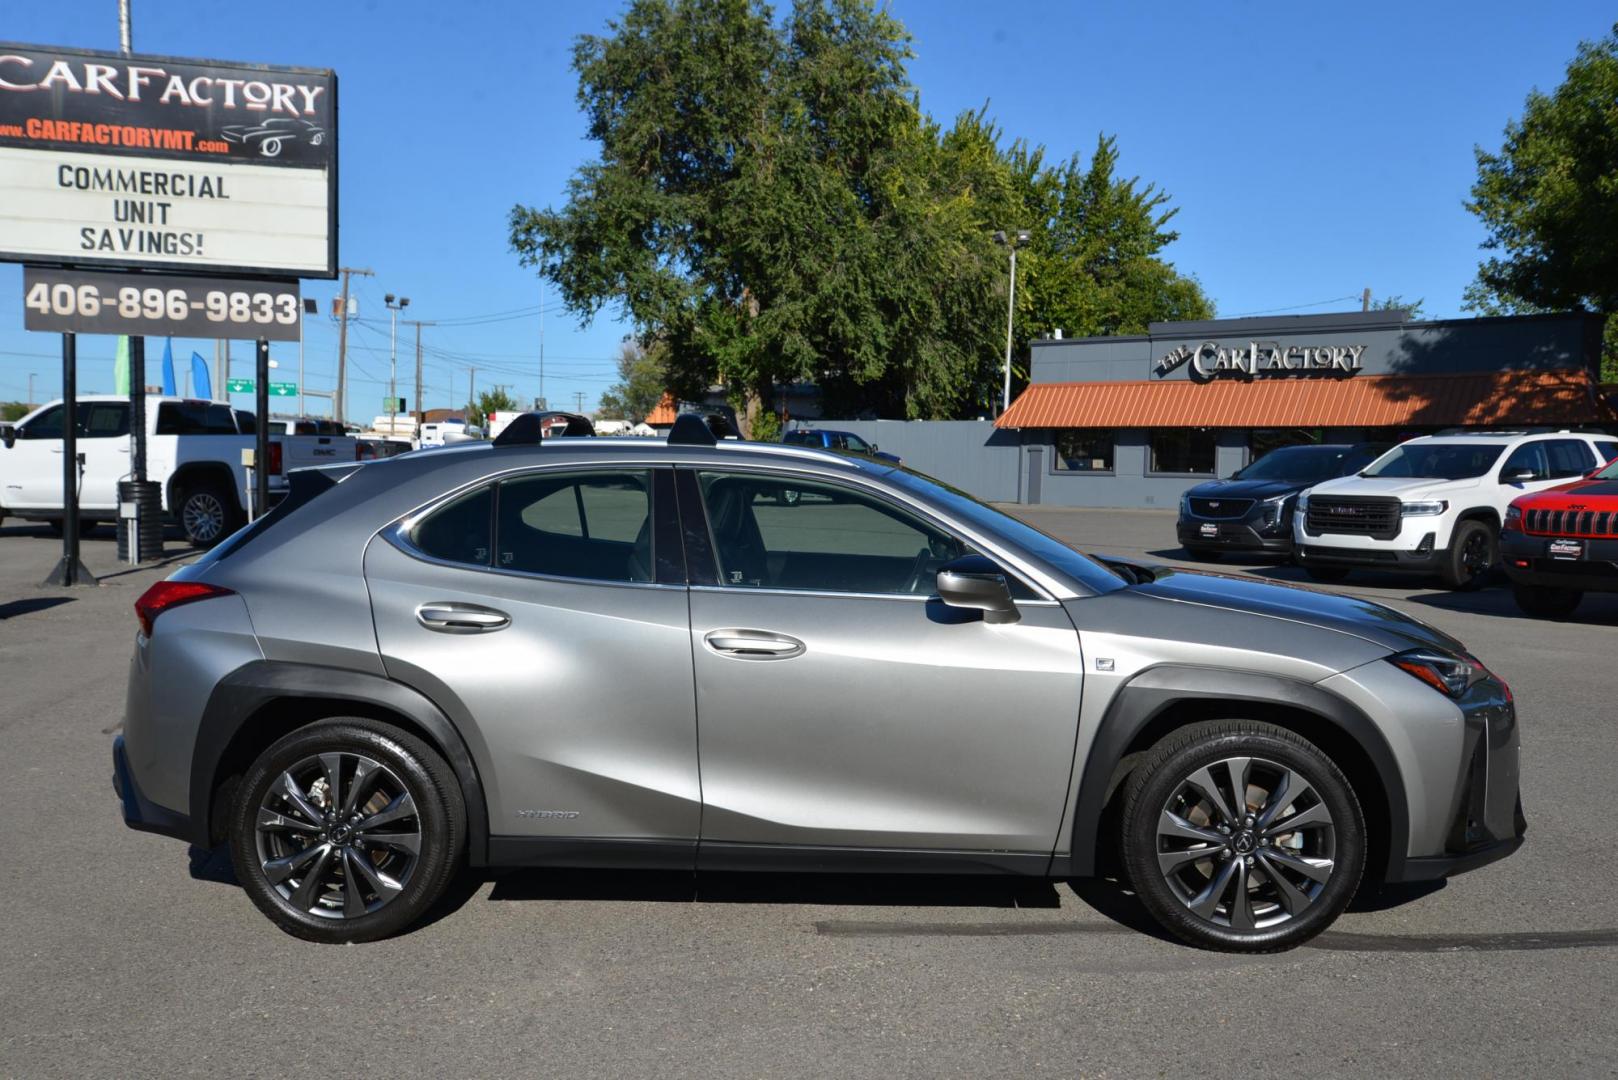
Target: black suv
{"points": [[1252, 511]]}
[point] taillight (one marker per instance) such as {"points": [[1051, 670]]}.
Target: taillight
{"points": [[169, 594], [275, 459]]}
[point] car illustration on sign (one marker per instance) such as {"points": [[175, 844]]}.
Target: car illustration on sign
{"points": [[270, 136]]}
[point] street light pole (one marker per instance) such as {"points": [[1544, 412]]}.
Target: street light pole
{"points": [[394, 307], [1015, 241]]}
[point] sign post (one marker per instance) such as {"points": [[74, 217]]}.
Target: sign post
{"points": [[70, 571], [261, 429]]}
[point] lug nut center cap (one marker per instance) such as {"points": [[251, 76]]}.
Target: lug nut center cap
{"points": [[1243, 843]]}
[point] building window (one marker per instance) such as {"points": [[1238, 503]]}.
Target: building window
{"points": [[1184, 451], [1084, 450]]}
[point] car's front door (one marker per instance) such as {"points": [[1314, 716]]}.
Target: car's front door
{"points": [[32, 467], [548, 615], [842, 705]]}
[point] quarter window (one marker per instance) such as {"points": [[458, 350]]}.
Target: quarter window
{"points": [[459, 532], [593, 525], [1187, 451], [1084, 450]]}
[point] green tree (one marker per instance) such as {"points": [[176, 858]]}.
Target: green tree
{"points": [[771, 205], [1395, 302], [1549, 200], [13, 410], [642, 381], [496, 400]]}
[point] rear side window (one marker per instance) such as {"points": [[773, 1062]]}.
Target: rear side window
{"points": [[1568, 457], [105, 420], [459, 532], [594, 525], [196, 418]]}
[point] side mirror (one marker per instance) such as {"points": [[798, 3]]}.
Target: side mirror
{"points": [[874, 447], [1517, 476], [975, 582], [8, 435]]}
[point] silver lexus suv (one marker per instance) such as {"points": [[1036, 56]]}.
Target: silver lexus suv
{"points": [[695, 654]]}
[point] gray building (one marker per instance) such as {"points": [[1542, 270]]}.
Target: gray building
{"points": [[1134, 421]]}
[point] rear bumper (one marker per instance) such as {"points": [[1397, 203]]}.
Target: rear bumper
{"points": [[1596, 572], [140, 812]]}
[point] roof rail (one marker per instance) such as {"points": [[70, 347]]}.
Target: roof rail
{"points": [[693, 429], [530, 428]]}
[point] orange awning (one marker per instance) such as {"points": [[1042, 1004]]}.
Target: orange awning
{"points": [[1471, 399]]}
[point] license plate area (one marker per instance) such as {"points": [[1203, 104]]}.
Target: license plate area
{"points": [[1565, 550], [1208, 528]]}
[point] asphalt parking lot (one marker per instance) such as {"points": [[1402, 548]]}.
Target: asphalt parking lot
{"points": [[125, 954]]}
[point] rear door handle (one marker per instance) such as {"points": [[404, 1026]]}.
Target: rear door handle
{"points": [[753, 644], [449, 617]]}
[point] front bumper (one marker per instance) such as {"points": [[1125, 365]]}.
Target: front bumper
{"points": [[1488, 822], [139, 811], [1597, 571], [1414, 561], [1249, 534]]}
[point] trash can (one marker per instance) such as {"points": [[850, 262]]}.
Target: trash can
{"points": [[146, 499]]}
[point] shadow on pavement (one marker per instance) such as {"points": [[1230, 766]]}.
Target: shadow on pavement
{"points": [[715, 887], [13, 608]]}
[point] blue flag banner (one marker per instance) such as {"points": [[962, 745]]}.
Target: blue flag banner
{"points": [[201, 384], [168, 368]]}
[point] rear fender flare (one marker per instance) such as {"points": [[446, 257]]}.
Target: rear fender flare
{"points": [[246, 692]]}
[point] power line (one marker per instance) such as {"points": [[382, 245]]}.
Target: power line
{"points": [[1294, 307]]}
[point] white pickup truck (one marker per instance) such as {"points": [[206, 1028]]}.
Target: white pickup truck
{"points": [[193, 449]]}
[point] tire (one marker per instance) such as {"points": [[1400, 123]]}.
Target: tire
{"points": [[299, 866], [1284, 910], [1473, 551], [1546, 601], [208, 512], [1325, 574], [1203, 554]]}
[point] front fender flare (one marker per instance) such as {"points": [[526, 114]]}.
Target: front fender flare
{"points": [[1156, 689]]}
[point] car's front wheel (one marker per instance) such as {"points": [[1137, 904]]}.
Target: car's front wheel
{"points": [[1473, 551], [1242, 836], [347, 830], [1545, 602]]}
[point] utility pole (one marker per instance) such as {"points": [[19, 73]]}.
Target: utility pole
{"points": [[542, 343], [471, 386], [125, 38], [578, 401], [1365, 299], [394, 307], [340, 404], [421, 413], [30, 389]]}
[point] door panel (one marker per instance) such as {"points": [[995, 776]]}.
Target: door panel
{"points": [[899, 723], [104, 442], [33, 465], [579, 710]]}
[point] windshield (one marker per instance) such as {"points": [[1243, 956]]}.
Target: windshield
{"points": [[1306, 463], [1042, 546], [1436, 461]]}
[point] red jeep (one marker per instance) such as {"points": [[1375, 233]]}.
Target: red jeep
{"points": [[1560, 543]]}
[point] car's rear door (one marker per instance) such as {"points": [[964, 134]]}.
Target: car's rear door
{"points": [[841, 706], [548, 614]]}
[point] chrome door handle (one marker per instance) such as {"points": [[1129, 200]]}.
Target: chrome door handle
{"points": [[452, 618], [753, 644]]}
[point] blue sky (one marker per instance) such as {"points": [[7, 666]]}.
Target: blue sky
{"points": [[1312, 150]]}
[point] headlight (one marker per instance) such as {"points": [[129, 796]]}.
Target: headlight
{"points": [[1185, 505], [1275, 509], [1514, 517], [1303, 501], [1423, 509], [1449, 675]]}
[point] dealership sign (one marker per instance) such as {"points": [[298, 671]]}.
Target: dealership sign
{"points": [[153, 163], [1211, 360]]}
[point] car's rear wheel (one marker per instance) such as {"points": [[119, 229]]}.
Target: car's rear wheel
{"points": [[208, 513], [347, 830], [1325, 574], [1242, 836], [1473, 551], [1546, 602]]}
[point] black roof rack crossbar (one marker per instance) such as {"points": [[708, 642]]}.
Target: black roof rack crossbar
{"points": [[694, 429]]}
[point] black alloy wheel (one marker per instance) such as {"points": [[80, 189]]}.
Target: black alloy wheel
{"points": [[1242, 836], [1473, 551], [347, 830]]}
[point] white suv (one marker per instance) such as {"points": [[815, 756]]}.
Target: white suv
{"points": [[1435, 504]]}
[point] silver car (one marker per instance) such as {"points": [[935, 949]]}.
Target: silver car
{"points": [[700, 653]]}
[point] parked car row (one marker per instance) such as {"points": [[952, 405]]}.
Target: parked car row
{"points": [[1447, 505]]}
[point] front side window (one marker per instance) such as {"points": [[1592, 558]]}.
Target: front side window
{"points": [[47, 425], [1607, 450], [1187, 451], [858, 445], [594, 525], [1085, 449], [1530, 456], [817, 537]]}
